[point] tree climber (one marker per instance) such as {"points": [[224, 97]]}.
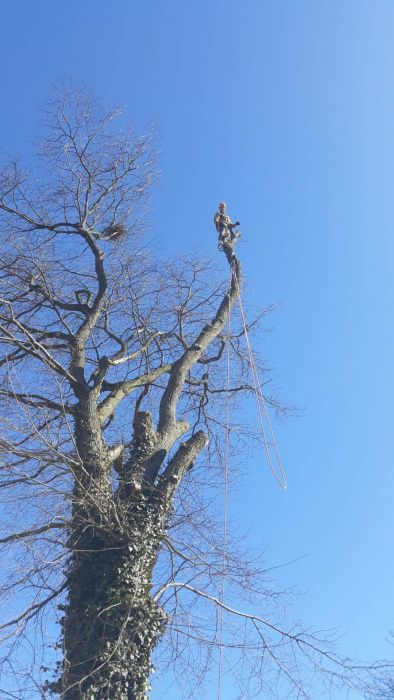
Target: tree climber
{"points": [[224, 226]]}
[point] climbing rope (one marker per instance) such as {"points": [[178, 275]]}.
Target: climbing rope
{"points": [[225, 502], [277, 470], [271, 451]]}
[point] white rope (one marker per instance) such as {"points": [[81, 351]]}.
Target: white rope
{"points": [[277, 471], [225, 505], [274, 461]]}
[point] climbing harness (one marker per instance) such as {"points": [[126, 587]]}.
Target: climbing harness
{"points": [[225, 227], [228, 236]]}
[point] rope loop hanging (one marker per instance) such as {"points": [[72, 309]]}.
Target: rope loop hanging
{"points": [[273, 460], [272, 453]]}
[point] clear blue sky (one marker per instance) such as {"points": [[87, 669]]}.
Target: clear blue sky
{"points": [[286, 110]]}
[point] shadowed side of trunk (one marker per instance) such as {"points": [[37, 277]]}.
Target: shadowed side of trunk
{"points": [[111, 623]]}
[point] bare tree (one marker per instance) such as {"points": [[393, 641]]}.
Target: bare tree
{"points": [[384, 691], [383, 687], [112, 385]]}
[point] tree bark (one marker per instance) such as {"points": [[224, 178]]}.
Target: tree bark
{"points": [[111, 623]]}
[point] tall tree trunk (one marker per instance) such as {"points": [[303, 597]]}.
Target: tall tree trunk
{"points": [[111, 625]]}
